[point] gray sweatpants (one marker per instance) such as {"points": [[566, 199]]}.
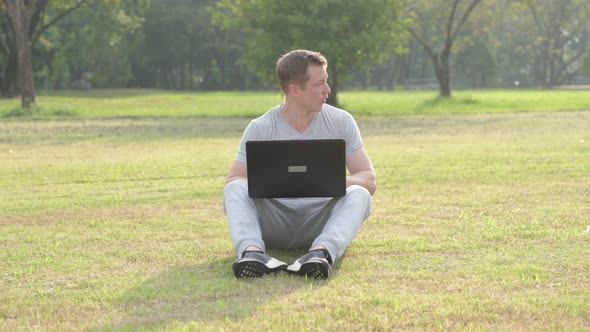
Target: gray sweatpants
{"points": [[278, 223]]}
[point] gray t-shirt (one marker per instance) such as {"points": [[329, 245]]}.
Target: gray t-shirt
{"points": [[330, 123]]}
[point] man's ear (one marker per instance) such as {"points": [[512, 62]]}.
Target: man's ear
{"points": [[294, 89]]}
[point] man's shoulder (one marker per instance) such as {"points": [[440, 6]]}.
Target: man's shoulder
{"points": [[267, 116], [336, 112]]}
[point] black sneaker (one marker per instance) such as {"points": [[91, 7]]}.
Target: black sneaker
{"points": [[255, 264], [314, 264]]}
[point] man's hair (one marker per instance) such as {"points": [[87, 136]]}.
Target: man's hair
{"points": [[292, 67]]}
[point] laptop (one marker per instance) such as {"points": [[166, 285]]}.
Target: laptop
{"points": [[296, 168]]}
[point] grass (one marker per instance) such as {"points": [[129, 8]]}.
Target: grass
{"points": [[115, 223], [157, 103]]}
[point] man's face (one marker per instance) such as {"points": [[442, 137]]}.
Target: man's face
{"points": [[316, 90]]}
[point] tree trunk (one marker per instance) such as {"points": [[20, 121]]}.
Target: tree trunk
{"points": [[440, 60], [400, 71], [182, 74], [442, 72], [8, 86], [21, 17], [8, 76], [333, 97]]}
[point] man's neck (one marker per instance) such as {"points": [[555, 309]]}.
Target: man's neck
{"points": [[297, 117]]}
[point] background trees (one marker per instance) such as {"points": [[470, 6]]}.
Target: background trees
{"points": [[94, 47], [19, 15], [23, 23], [231, 44], [559, 38], [586, 63], [436, 25], [182, 49], [349, 33]]}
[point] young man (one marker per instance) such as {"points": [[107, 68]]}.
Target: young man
{"points": [[324, 225]]}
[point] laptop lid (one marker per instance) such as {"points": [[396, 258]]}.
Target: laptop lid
{"points": [[296, 168]]}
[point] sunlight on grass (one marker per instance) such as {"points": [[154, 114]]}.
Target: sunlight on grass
{"points": [[478, 223]]}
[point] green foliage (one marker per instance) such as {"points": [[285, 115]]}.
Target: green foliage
{"points": [[94, 45], [175, 37], [476, 64], [182, 49], [233, 44], [349, 33], [509, 36], [553, 38]]}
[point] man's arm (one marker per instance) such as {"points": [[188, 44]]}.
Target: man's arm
{"points": [[361, 170], [237, 171]]}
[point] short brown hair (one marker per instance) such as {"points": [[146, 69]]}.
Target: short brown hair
{"points": [[292, 67]]}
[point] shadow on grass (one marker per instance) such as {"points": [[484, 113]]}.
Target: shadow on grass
{"points": [[19, 112], [431, 104], [36, 112], [202, 293], [428, 104], [108, 93], [75, 129]]}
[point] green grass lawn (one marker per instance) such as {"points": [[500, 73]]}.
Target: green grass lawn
{"points": [[111, 219], [158, 103]]}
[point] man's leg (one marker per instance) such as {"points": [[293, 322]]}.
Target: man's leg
{"points": [[348, 215], [346, 218], [242, 217], [294, 223], [329, 224], [244, 229]]}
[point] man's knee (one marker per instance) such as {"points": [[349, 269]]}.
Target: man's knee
{"points": [[360, 195], [234, 191], [239, 186], [358, 192]]}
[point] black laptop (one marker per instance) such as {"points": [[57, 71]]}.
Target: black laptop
{"points": [[296, 168]]}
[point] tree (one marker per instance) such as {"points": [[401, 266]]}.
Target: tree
{"points": [[177, 35], [20, 16], [476, 63], [181, 49], [7, 55], [586, 63], [350, 33], [434, 21], [26, 24], [559, 40], [94, 45], [506, 37]]}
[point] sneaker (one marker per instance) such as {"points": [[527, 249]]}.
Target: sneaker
{"points": [[255, 264], [314, 264]]}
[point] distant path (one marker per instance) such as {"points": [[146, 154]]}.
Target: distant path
{"points": [[574, 87]]}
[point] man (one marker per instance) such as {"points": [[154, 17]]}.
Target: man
{"points": [[324, 225]]}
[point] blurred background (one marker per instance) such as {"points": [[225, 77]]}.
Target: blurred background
{"points": [[233, 44]]}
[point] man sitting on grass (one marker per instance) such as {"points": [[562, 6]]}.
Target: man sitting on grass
{"points": [[325, 225]]}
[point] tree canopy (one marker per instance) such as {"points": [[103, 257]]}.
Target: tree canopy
{"points": [[436, 25], [558, 39], [349, 33]]}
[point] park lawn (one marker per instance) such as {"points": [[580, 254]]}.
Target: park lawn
{"points": [[160, 103], [116, 223]]}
